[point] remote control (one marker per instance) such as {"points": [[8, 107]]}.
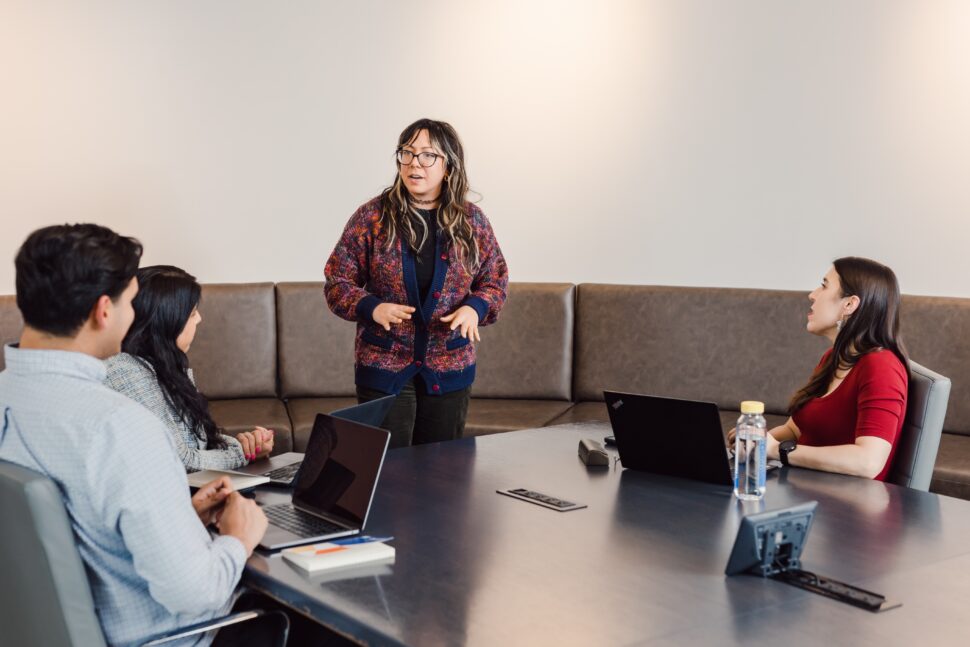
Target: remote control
{"points": [[544, 500]]}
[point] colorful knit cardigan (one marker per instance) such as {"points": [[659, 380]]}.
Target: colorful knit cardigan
{"points": [[362, 273]]}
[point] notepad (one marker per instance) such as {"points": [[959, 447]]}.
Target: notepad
{"points": [[240, 481], [329, 556]]}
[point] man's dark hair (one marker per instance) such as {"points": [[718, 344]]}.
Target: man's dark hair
{"points": [[63, 270]]}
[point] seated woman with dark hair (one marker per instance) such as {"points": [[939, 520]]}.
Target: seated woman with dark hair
{"points": [[849, 416], [153, 370]]}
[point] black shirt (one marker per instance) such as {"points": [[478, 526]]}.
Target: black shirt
{"points": [[424, 266]]}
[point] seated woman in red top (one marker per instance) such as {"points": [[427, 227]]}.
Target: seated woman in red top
{"points": [[849, 416]]}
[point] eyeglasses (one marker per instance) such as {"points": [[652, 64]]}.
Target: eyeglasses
{"points": [[426, 160]]}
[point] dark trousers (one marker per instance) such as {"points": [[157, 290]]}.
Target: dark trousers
{"points": [[417, 418]]}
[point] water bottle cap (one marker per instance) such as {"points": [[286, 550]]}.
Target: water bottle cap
{"points": [[752, 406]]}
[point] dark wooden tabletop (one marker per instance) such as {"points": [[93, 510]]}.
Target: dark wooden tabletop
{"points": [[643, 564]]}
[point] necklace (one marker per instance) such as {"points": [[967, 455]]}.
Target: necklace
{"points": [[423, 201]]}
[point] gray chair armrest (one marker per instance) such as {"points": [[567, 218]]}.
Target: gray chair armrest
{"points": [[211, 625]]}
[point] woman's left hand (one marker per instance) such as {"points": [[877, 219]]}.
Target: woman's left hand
{"points": [[264, 441], [257, 443], [466, 318]]}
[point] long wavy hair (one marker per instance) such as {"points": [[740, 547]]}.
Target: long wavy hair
{"points": [[399, 213], [166, 298], [873, 326]]}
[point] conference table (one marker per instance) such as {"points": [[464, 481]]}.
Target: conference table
{"points": [[642, 564]]}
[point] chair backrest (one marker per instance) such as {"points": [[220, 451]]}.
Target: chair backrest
{"points": [[45, 598], [915, 457]]}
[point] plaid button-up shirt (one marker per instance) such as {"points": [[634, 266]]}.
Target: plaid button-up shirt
{"points": [[151, 564]]}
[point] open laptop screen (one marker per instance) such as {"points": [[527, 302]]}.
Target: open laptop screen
{"points": [[340, 468]]}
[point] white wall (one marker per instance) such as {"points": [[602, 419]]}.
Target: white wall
{"points": [[742, 143]]}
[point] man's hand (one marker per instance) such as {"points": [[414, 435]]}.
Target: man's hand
{"points": [[209, 499], [243, 519]]}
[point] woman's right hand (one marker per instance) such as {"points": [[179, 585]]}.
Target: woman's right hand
{"points": [[391, 313], [730, 436]]}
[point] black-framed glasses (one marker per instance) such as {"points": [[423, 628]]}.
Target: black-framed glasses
{"points": [[405, 157]]}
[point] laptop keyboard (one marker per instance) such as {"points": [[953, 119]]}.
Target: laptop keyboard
{"points": [[298, 522], [283, 473]]}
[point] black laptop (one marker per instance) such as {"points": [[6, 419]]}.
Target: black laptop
{"points": [[282, 468], [334, 487], [670, 436]]}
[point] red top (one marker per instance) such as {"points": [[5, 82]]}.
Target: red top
{"points": [[870, 401]]}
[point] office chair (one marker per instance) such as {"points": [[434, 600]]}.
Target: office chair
{"points": [[45, 598], [926, 404]]}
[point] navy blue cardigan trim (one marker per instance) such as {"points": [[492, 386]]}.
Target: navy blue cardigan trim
{"points": [[366, 306], [479, 305], [411, 283], [437, 282], [392, 383]]}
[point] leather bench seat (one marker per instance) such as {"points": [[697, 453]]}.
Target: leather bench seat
{"points": [[497, 415], [524, 367], [234, 416], [485, 415], [524, 373], [937, 335], [261, 345], [596, 412], [233, 358], [583, 412], [303, 412], [316, 357], [11, 323], [951, 476]]}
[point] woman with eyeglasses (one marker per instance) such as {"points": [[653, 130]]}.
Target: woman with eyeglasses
{"points": [[153, 370], [849, 416], [418, 269]]}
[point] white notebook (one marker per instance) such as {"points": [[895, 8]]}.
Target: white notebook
{"points": [[329, 556], [240, 481]]}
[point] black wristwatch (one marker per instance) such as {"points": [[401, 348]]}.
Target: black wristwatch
{"points": [[784, 448]]}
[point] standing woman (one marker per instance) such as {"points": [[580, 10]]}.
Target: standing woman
{"points": [[153, 370], [849, 416], [418, 268]]}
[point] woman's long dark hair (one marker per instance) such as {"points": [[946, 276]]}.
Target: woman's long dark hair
{"points": [[399, 214], [166, 298], [873, 325]]}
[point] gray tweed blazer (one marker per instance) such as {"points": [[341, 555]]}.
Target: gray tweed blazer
{"points": [[135, 378]]}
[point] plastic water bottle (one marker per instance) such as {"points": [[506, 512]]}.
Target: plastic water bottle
{"points": [[750, 457]]}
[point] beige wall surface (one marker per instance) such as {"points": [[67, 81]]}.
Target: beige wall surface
{"points": [[681, 142]]}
